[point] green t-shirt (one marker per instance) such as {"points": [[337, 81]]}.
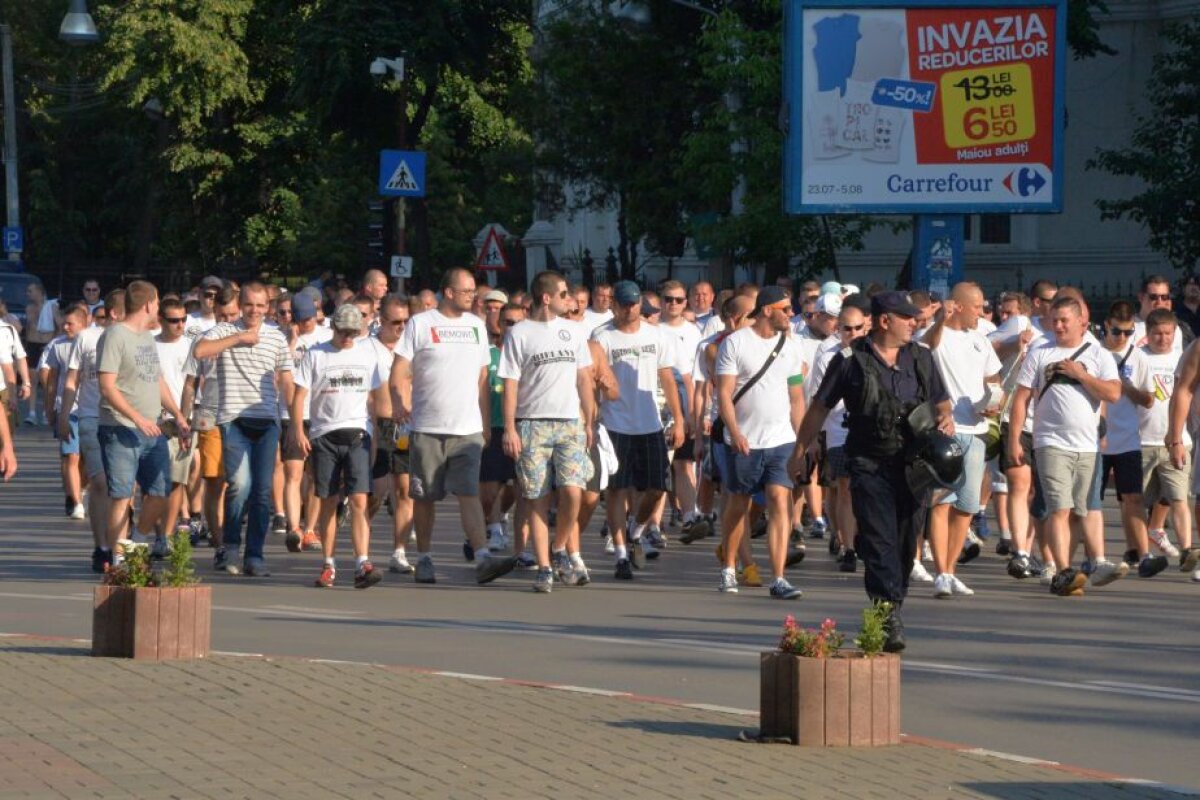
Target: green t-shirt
{"points": [[133, 356], [496, 388]]}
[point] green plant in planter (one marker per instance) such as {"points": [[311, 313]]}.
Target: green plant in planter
{"points": [[136, 571], [873, 634]]}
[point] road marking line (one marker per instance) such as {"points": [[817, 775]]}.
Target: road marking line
{"points": [[1040, 762], [587, 690], [467, 676], [741, 712], [1147, 687]]}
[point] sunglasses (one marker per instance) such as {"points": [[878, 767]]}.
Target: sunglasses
{"points": [[854, 328], [1158, 296], [1120, 331], [511, 322], [809, 314], [673, 300], [353, 334], [89, 290], [174, 320], [210, 294]]}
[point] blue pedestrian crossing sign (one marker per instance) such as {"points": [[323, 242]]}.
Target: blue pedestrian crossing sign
{"points": [[401, 173]]}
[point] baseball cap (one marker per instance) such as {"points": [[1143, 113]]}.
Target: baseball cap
{"points": [[830, 304], [347, 318], [849, 288], [831, 287], [769, 296], [893, 303], [303, 307], [649, 309], [857, 300], [212, 282], [495, 296], [627, 293]]}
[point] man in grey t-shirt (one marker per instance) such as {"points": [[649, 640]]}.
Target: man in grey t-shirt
{"points": [[133, 394]]}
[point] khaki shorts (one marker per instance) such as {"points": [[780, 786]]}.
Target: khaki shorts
{"points": [[181, 459], [443, 463], [1161, 480], [209, 445], [1066, 478]]}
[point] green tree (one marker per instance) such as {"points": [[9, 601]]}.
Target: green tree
{"points": [[1164, 153]]}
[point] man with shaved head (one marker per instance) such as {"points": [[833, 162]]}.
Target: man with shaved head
{"points": [[971, 372]]}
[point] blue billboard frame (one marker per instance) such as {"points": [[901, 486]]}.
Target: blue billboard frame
{"points": [[793, 96]]}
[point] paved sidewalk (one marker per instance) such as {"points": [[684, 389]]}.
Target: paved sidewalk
{"points": [[249, 727]]}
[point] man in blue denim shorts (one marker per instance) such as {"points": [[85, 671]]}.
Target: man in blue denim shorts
{"points": [[133, 394], [760, 429], [548, 411]]}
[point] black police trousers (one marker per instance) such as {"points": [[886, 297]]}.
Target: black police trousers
{"points": [[890, 522]]}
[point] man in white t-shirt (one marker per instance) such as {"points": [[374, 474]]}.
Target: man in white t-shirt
{"points": [[686, 340], [971, 373], [1156, 295], [203, 320], [1121, 454], [600, 310], [1162, 477], [8, 456], [700, 301], [549, 407], [439, 385], [253, 367], [173, 351], [1068, 378], [641, 359], [337, 380], [760, 429], [57, 355]]}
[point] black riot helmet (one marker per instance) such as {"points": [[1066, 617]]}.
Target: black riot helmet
{"points": [[937, 464]]}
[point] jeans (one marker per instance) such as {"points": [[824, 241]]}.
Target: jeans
{"points": [[249, 457]]}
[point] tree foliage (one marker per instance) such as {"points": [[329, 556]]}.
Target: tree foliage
{"points": [[243, 135], [1164, 153]]}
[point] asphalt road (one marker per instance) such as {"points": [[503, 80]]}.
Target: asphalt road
{"points": [[1108, 681]]}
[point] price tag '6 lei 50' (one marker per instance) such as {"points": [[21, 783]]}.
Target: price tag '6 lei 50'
{"points": [[986, 106]]}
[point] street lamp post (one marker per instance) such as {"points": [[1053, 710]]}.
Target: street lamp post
{"points": [[77, 27]]}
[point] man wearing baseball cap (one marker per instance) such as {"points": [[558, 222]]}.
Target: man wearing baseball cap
{"points": [[881, 378]]}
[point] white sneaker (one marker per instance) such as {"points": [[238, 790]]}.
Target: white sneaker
{"points": [[920, 574], [960, 588], [78, 512], [1047, 574], [1162, 540], [1196, 576], [497, 541], [943, 585], [609, 547], [926, 552], [728, 583], [1105, 572], [399, 563]]}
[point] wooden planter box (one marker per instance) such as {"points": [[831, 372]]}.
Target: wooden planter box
{"points": [[151, 623], [831, 702]]}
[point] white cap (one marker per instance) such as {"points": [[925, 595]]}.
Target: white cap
{"points": [[831, 287], [849, 288], [830, 304]]}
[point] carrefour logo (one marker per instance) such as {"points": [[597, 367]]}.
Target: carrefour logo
{"points": [[1024, 182], [951, 183]]}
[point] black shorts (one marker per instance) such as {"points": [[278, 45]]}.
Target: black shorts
{"points": [[1026, 445], [342, 463], [388, 460], [288, 450], [687, 450], [642, 461], [494, 466], [1126, 469]]}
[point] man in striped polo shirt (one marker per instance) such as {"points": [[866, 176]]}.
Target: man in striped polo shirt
{"points": [[253, 369]]}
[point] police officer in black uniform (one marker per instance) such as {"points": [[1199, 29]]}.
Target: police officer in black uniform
{"points": [[886, 381]]}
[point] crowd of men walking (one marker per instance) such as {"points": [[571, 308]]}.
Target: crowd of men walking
{"points": [[757, 411]]}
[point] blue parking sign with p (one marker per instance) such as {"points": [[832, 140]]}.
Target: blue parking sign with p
{"points": [[14, 240]]}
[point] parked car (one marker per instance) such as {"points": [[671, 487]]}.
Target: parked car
{"points": [[12, 288]]}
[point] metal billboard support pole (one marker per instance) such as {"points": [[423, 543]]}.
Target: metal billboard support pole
{"points": [[13, 202]]}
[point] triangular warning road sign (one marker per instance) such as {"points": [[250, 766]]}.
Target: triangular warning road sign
{"points": [[402, 179], [491, 255]]}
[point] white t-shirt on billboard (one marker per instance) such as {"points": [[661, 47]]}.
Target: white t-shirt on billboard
{"points": [[966, 359], [1155, 373], [339, 382], [446, 355], [545, 358], [763, 412], [636, 359], [1067, 416], [1122, 416]]}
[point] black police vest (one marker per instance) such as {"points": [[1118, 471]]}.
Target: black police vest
{"points": [[875, 417]]}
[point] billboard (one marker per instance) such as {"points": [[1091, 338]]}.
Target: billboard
{"points": [[934, 107]]}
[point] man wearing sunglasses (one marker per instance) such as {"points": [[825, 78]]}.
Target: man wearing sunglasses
{"points": [[1120, 452], [173, 350], [1156, 294], [686, 339], [204, 319]]}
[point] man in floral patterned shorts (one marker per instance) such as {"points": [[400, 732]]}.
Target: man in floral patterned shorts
{"points": [[548, 413]]}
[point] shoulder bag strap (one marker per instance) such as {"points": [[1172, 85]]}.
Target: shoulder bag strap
{"points": [[761, 370]]}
